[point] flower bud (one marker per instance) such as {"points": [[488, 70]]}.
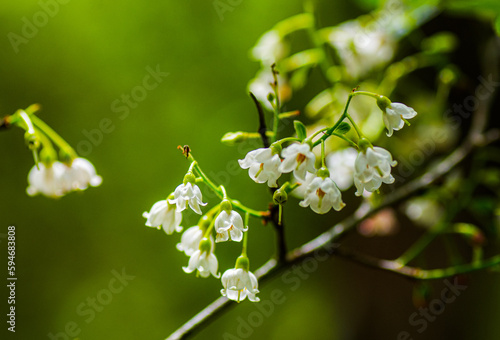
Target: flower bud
{"points": [[280, 196], [233, 138]]}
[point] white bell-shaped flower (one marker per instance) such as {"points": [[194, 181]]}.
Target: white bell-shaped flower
{"points": [[269, 49], [263, 166], [372, 168], [342, 164], [394, 114], [298, 158], [238, 284], [80, 174], [47, 180], [190, 240], [229, 225], [164, 214], [187, 193], [203, 260], [321, 195]]}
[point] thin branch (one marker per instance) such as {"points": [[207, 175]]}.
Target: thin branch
{"points": [[262, 122]]}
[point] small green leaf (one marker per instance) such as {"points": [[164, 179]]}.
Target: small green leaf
{"points": [[343, 128], [300, 129]]}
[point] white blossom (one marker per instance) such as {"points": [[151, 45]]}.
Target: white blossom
{"points": [[238, 284], [80, 174], [321, 195], [190, 240], [188, 193], [164, 214], [229, 225], [372, 168], [269, 49], [298, 158], [203, 260], [47, 180], [362, 48], [341, 165], [394, 116], [263, 166]]}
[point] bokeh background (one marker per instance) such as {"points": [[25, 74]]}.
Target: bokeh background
{"points": [[76, 66]]}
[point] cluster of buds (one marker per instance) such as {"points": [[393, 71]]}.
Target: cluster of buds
{"points": [[52, 175]]}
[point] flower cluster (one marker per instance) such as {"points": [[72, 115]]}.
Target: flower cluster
{"points": [[198, 242], [55, 173], [57, 179], [367, 169]]}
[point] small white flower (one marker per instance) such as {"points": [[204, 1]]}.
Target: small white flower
{"points": [[47, 180], [238, 284], [269, 49], [300, 191], [321, 195], [190, 240], [229, 225], [188, 193], [341, 163], [203, 261], [164, 214], [372, 168], [298, 158], [362, 47], [80, 175], [263, 166], [394, 116]]}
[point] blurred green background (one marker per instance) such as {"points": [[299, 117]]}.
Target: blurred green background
{"points": [[76, 66]]}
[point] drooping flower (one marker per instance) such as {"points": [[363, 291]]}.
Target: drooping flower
{"points": [[394, 114], [341, 163], [298, 158], [239, 283], [190, 240], [229, 225], [164, 214], [362, 46], [203, 260], [372, 168], [80, 174], [269, 49], [187, 193], [321, 195], [47, 180], [263, 166]]}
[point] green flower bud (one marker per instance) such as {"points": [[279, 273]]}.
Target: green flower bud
{"points": [[233, 138], [280, 196]]}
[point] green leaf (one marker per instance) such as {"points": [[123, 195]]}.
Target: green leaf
{"points": [[343, 128], [300, 129]]}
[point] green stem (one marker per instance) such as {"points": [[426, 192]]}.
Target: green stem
{"points": [[245, 236], [358, 132], [54, 136], [220, 193], [330, 131]]}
